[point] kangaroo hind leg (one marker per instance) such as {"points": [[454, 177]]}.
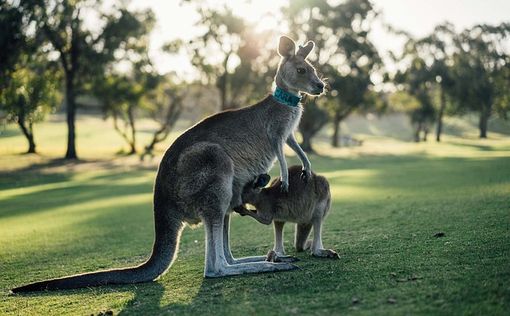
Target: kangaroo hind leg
{"points": [[317, 247], [207, 175], [216, 264], [226, 246], [300, 239]]}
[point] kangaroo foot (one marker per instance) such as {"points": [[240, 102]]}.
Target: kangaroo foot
{"points": [[250, 267], [272, 256], [326, 253]]}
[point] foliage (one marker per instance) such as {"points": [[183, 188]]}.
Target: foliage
{"points": [[31, 92], [344, 54], [481, 71], [230, 54], [121, 96], [12, 40], [164, 105], [312, 121], [502, 95], [416, 80], [83, 53], [438, 49]]}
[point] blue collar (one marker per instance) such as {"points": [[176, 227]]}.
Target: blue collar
{"points": [[286, 97]]}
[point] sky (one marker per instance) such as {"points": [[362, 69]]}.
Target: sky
{"points": [[417, 17]]}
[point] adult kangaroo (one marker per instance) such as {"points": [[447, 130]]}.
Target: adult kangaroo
{"points": [[202, 174]]}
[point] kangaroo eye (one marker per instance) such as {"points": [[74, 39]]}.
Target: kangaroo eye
{"points": [[301, 70]]}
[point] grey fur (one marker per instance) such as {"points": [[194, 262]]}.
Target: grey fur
{"points": [[200, 179], [307, 203]]}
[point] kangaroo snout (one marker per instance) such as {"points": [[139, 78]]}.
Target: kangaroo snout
{"points": [[319, 88]]}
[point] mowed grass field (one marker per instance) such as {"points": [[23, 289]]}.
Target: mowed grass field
{"points": [[390, 201]]}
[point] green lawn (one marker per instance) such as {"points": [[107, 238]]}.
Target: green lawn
{"points": [[390, 199]]}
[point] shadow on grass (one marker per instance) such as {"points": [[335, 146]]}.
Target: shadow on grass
{"points": [[43, 200], [35, 174], [478, 146], [386, 173]]}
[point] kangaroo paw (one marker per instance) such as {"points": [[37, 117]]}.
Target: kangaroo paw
{"points": [[286, 259], [272, 256], [326, 253]]}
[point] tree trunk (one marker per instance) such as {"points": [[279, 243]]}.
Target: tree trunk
{"points": [[31, 142], [306, 144], [484, 121], [31, 145], [28, 132], [335, 141], [223, 85], [439, 127], [132, 126], [417, 133], [172, 115], [71, 116], [312, 121]]}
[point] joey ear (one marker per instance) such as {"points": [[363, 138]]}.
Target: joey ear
{"points": [[286, 47], [261, 181], [306, 49]]}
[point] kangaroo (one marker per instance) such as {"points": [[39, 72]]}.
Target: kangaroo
{"points": [[201, 177], [307, 203]]}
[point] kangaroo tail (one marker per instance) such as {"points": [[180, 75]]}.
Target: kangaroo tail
{"points": [[164, 251]]}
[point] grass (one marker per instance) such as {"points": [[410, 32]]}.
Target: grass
{"points": [[390, 199]]}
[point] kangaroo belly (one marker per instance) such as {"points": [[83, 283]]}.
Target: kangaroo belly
{"points": [[294, 213]]}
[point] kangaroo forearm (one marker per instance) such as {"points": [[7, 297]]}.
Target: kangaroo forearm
{"points": [[293, 144], [284, 173]]}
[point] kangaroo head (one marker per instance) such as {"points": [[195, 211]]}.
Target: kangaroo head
{"points": [[295, 74], [252, 189]]}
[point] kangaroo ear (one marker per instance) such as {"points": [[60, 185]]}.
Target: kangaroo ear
{"points": [[261, 181], [306, 49], [286, 47]]}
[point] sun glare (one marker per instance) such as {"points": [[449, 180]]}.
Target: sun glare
{"points": [[176, 20], [265, 14]]}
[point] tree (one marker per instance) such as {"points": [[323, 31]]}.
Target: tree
{"points": [[240, 68], [31, 92], [84, 53], [312, 121], [13, 39], [502, 97], [164, 106], [344, 53], [122, 89], [438, 48], [28, 81], [480, 71], [121, 96], [417, 80]]}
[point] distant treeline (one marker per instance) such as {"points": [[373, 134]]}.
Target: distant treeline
{"points": [[52, 55]]}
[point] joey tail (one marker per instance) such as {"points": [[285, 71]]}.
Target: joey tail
{"points": [[164, 251]]}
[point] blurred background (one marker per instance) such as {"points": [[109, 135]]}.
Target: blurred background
{"points": [[95, 79]]}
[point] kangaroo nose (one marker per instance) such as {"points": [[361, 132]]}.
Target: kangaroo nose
{"points": [[320, 85]]}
